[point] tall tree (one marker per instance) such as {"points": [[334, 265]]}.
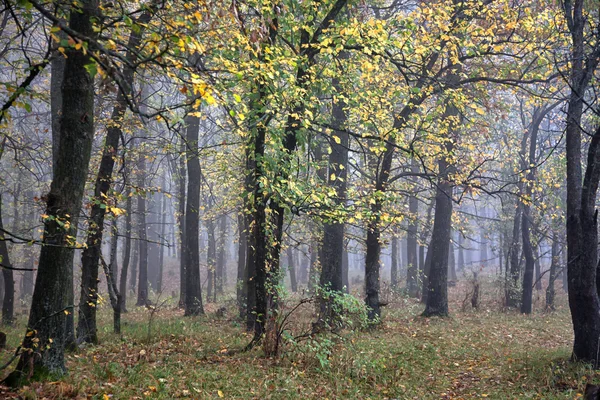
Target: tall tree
{"points": [[193, 290], [46, 329]]}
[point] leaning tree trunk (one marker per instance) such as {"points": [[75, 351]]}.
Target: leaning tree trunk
{"points": [[193, 290], [86, 327], [47, 319]]}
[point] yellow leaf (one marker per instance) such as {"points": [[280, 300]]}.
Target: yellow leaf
{"points": [[337, 139], [220, 393]]}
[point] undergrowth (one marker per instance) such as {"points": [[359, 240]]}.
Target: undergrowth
{"points": [[483, 353]]}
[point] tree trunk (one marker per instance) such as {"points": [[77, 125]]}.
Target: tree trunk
{"points": [[211, 259], [550, 294], [412, 268], [7, 275], [193, 291], [47, 319], [394, 269], [126, 254], [162, 239], [142, 286], [437, 278], [512, 290], [292, 269], [345, 268], [181, 175], [372, 266], [527, 290], [241, 267], [221, 274], [333, 233]]}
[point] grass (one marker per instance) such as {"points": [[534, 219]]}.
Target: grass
{"points": [[483, 353]]}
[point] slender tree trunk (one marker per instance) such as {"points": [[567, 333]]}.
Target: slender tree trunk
{"points": [[292, 269], [550, 293], [142, 286], [126, 254], [7, 275], [211, 260], [181, 223], [162, 239], [345, 268], [221, 275], [193, 291], [241, 270], [394, 269], [512, 291], [527, 290], [47, 319], [412, 268]]}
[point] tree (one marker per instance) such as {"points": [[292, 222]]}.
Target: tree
{"points": [[43, 346]]}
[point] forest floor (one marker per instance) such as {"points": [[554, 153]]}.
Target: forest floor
{"points": [[483, 353]]}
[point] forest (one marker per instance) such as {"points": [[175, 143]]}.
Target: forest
{"points": [[299, 199]]}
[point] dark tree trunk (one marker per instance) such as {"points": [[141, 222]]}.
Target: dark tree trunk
{"points": [[86, 327], [193, 291], [333, 232], [345, 269], [461, 254], [582, 233], [57, 66], [28, 277], [512, 290], [7, 275], [47, 319], [372, 266], [126, 254], [437, 278]]}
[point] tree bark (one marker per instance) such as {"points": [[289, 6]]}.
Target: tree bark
{"points": [[193, 291], [126, 254], [241, 267], [7, 275], [292, 269], [550, 293], [333, 232]]}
